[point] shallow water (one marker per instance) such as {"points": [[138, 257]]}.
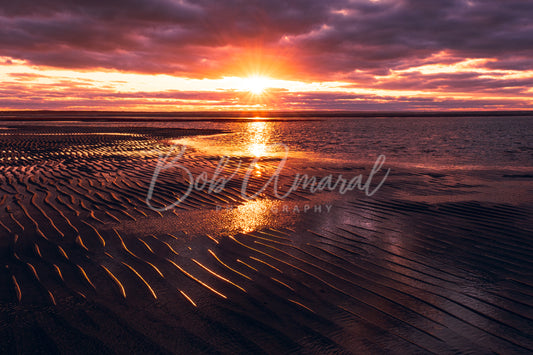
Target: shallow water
{"points": [[413, 142]]}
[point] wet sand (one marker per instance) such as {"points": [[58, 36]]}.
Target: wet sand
{"points": [[435, 262]]}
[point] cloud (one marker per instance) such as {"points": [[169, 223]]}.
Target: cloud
{"points": [[81, 94], [322, 39], [366, 44]]}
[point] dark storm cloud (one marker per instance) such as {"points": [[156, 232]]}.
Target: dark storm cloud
{"points": [[145, 35], [323, 39], [394, 34]]}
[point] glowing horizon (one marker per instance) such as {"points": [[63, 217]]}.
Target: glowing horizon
{"points": [[187, 57]]}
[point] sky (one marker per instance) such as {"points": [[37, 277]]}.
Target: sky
{"points": [[179, 55]]}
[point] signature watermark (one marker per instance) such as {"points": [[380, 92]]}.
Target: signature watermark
{"points": [[287, 208], [218, 180]]}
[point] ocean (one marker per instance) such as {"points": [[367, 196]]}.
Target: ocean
{"points": [[476, 143]]}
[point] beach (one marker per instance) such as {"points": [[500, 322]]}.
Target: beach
{"points": [[177, 237]]}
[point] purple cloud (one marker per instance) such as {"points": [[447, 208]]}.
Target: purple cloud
{"points": [[322, 39]]}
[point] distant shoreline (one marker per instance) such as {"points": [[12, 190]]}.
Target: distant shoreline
{"points": [[180, 116]]}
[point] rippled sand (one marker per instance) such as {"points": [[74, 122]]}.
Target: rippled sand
{"points": [[433, 262]]}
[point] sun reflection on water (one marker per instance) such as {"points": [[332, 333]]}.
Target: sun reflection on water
{"points": [[252, 141], [252, 215], [259, 134]]}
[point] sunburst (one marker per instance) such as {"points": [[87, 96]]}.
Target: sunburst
{"points": [[256, 85]]}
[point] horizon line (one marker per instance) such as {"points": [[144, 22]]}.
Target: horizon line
{"points": [[168, 115]]}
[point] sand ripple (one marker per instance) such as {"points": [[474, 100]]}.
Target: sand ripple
{"points": [[87, 265]]}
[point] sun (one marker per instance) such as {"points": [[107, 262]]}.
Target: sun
{"points": [[256, 85]]}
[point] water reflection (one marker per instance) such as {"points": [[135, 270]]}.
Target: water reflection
{"points": [[252, 215], [258, 137], [251, 139]]}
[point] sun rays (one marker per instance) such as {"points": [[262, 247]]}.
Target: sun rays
{"points": [[256, 85]]}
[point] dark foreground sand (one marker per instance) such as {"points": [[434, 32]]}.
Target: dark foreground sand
{"points": [[436, 262]]}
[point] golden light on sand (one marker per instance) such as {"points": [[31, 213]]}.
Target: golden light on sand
{"points": [[251, 215]]}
